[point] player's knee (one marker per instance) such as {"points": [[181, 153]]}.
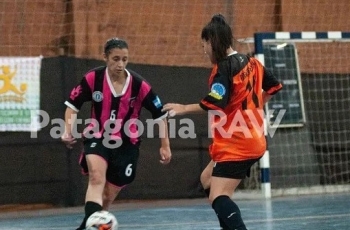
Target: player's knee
{"points": [[205, 179], [96, 177]]}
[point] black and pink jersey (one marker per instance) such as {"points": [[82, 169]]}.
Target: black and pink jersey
{"points": [[117, 114]]}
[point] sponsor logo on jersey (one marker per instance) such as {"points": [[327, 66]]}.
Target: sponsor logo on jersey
{"points": [[97, 96], [217, 91], [76, 92]]}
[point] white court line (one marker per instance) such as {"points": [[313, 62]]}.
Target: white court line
{"points": [[298, 218], [205, 223]]}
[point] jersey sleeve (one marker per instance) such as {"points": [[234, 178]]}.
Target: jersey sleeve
{"points": [[79, 94], [153, 104], [220, 89], [270, 84]]}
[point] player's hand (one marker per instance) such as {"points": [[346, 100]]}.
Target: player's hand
{"points": [[174, 109], [68, 140], [165, 155]]}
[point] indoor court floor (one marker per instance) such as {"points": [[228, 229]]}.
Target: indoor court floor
{"points": [[309, 212]]}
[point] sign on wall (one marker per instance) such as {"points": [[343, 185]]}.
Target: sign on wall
{"points": [[19, 93]]}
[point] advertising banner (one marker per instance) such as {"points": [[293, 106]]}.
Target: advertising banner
{"points": [[19, 93]]}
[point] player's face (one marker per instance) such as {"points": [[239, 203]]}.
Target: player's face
{"points": [[116, 61], [208, 49]]}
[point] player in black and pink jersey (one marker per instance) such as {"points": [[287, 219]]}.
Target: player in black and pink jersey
{"points": [[111, 139]]}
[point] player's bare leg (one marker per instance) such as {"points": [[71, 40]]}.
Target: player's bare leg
{"points": [[109, 194], [205, 180], [97, 180], [206, 175], [221, 191]]}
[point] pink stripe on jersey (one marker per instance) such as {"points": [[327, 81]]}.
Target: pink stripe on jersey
{"points": [[144, 90], [106, 104], [90, 78], [125, 100], [122, 111]]}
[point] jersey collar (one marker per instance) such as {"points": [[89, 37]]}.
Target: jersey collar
{"points": [[125, 88], [234, 52]]}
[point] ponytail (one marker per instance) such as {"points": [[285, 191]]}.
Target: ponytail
{"points": [[219, 33]]}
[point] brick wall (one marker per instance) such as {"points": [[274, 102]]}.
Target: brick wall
{"points": [[159, 32]]}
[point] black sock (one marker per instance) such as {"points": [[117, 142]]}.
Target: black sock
{"points": [[90, 208], [228, 211], [222, 223]]}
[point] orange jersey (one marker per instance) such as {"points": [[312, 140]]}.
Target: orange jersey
{"points": [[235, 106]]}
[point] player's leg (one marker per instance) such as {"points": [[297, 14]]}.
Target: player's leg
{"points": [[225, 208], [205, 181], [97, 178], [110, 192], [206, 175], [224, 181], [120, 173], [94, 163]]}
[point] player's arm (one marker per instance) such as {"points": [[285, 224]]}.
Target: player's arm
{"points": [[266, 97], [154, 105], [69, 118], [79, 94], [180, 109], [270, 85], [220, 89], [165, 152]]}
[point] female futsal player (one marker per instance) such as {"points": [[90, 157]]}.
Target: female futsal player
{"points": [[111, 141], [239, 87]]}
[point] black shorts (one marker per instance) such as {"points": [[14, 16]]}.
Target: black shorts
{"points": [[122, 161], [233, 169]]}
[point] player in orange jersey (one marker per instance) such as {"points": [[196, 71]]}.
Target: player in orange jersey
{"points": [[239, 88]]}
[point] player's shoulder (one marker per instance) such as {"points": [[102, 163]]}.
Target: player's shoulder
{"points": [[233, 63], [93, 72], [237, 62], [137, 77], [240, 59]]}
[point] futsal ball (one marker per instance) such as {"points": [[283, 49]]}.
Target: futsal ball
{"points": [[102, 220]]}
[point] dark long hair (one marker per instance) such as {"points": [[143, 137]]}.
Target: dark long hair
{"points": [[219, 33]]}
